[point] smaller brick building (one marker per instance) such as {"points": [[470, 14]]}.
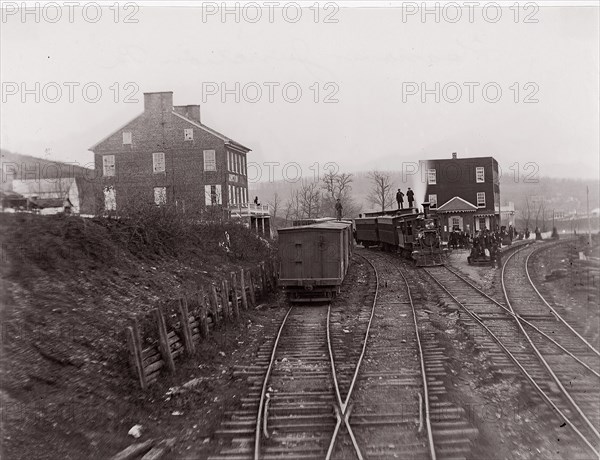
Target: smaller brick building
{"points": [[166, 155], [465, 192]]}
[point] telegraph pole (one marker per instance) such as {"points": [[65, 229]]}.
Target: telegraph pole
{"points": [[588, 216]]}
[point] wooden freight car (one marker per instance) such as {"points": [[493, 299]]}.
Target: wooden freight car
{"points": [[366, 231], [314, 259]]}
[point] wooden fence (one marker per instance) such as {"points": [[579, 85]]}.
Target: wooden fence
{"points": [[197, 314]]}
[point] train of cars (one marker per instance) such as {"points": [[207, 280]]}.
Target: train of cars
{"points": [[314, 254], [415, 235]]}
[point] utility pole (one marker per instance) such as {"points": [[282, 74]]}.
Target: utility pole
{"points": [[589, 217]]}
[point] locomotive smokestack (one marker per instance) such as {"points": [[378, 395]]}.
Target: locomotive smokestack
{"points": [[426, 208], [454, 155]]}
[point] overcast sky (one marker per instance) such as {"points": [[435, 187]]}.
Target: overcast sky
{"points": [[371, 64]]}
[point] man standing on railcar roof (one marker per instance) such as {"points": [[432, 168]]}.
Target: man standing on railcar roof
{"points": [[400, 199], [410, 195], [338, 209]]}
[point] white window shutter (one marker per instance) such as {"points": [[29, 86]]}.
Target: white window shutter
{"points": [[207, 199], [218, 191]]}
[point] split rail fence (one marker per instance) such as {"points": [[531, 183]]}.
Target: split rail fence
{"points": [[197, 315]]}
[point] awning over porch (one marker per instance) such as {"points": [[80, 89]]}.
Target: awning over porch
{"points": [[457, 204]]}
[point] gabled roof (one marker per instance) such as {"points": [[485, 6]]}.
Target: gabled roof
{"points": [[457, 204], [224, 138], [91, 149]]}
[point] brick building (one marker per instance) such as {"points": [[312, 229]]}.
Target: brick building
{"points": [[167, 156], [465, 192]]}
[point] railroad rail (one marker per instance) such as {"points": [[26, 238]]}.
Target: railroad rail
{"points": [[590, 342], [299, 402], [539, 352], [318, 391]]}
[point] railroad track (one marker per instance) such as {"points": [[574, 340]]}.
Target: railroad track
{"points": [[559, 366], [298, 405], [574, 319], [349, 381]]}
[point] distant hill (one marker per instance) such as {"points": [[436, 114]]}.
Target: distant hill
{"points": [[564, 195], [18, 166]]}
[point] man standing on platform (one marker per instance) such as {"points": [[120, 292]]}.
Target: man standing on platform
{"points": [[338, 209], [400, 199], [410, 195]]}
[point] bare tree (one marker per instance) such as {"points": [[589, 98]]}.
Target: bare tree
{"points": [[274, 204], [338, 185], [381, 190], [292, 206], [310, 200]]}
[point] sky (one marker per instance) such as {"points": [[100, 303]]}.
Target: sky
{"points": [[355, 88]]}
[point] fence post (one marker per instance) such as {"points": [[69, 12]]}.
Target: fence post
{"points": [[251, 286], [243, 288], [234, 296], [274, 273], [135, 347], [184, 318], [225, 300], [203, 315], [263, 280], [163, 336], [214, 302]]}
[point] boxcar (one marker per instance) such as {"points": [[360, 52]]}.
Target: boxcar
{"points": [[387, 227], [319, 220], [314, 259], [366, 231]]}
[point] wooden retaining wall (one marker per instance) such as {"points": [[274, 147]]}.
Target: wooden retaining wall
{"points": [[197, 314]]}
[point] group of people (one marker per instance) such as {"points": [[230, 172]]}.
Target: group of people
{"points": [[410, 196], [459, 239]]}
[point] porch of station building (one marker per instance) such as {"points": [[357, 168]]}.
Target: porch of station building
{"points": [[256, 216]]}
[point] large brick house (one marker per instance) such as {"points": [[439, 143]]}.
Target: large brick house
{"points": [[465, 192], [167, 156]]}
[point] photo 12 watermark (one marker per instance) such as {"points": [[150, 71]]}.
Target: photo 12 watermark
{"points": [[70, 12], [253, 92], [291, 171], [470, 12], [53, 92], [270, 12], [470, 92]]}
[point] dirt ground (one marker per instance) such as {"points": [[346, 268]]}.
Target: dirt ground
{"points": [[569, 277], [69, 287]]}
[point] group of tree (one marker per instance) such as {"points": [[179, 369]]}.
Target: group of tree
{"points": [[315, 199]]}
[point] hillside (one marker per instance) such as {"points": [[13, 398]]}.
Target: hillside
{"points": [[17, 166], [69, 287], [558, 194]]}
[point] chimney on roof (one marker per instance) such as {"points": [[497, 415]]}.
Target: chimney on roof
{"points": [[454, 155], [158, 102], [189, 111]]}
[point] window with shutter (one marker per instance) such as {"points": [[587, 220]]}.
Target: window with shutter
{"points": [[480, 174], [158, 162], [433, 201], [481, 199], [431, 177], [108, 165], [110, 199], [210, 162], [160, 195]]}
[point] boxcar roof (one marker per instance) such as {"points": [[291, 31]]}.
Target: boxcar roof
{"points": [[331, 225]]}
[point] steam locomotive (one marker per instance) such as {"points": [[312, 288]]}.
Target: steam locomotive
{"points": [[415, 235]]}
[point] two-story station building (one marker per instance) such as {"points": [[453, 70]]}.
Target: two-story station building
{"points": [[465, 192], [166, 155]]}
